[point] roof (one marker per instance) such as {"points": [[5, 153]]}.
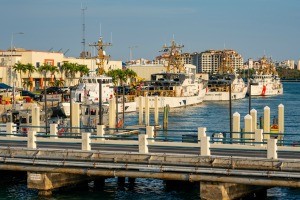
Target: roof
{"points": [[4, 86]]}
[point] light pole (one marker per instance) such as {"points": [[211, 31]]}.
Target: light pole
{"points": [[11, 81], [130, 52], [11, 52]]}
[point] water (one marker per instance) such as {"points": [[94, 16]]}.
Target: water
{"points": [[214, 116]]}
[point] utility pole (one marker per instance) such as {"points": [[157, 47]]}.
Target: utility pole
{"points": [[130, 51], [83, 53]]}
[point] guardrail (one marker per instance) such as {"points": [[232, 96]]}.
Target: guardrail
{"points": [[148, 137]]}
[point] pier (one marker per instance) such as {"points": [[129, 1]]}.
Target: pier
{"points": [[227, 165]]}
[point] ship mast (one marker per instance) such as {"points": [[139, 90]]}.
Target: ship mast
{"points": [[174, 57], [101, 57], [226, 64]]}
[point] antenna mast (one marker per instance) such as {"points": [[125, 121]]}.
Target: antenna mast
{"points": [[83, 53]]}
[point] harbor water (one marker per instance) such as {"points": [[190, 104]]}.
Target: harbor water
{"points": [[212, 115]]}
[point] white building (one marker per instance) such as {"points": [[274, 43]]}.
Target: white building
{"points": [[38, 58]]}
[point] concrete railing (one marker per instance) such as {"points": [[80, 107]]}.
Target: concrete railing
{"points": [[144, 141]]}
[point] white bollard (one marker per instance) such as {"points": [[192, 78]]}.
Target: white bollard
{"points": [[258, 137], [86, 141], [248, 129], [281, 121], [36, 112], [236, 126], [267, 125], [10, 129], [75, 117], [143, 143], [141, 110], [156, 114], [112, 114], [53, 130], [205, 146], [31, 140], [201, 133], [150, 133], [101, 132], [272, 149], [253, 114], [147, 111]]}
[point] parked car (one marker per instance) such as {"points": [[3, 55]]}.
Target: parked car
{"points": [[32, 95], [53, 90], [65, 89]]}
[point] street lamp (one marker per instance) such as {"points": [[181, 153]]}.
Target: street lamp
{"points": [[11, 52], [11, 82]]}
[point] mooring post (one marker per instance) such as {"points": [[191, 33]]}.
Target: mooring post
{"points": [[86, 141], [266, 123], [10, 129], [143, 143], [147, 112], [253, 114], [248, 129], [75, 118], [141, 110], [112, 114], [101, 132], [53, 130], [259, 137], [31, 140], [281, 122], [201, 133], [236, 127], [150, 133], [205, 146], [272, 149], [156, 114], [35, 110]]}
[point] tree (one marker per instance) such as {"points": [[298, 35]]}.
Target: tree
{"points": [[19, 67], [83, 70], [30, 69]]}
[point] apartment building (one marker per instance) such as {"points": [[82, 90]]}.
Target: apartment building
{"points": [[210, 61]]}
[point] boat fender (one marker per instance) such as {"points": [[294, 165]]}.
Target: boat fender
{"points": [[61, 131], [120, 123], [24, 130]]}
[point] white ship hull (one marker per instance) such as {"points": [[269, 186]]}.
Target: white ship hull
{"points": [[174, 102], [129, 107], [224, 96], [265, 90], [265, 85]]}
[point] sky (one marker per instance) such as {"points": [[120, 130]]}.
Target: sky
{"points": [[253, 28]]}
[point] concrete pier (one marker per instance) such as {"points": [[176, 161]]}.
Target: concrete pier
{"points": [[47, 182], [228, 191]]}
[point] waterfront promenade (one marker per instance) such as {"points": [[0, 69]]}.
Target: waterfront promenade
{"points": [[188, 148]]}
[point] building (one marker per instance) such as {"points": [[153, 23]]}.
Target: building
{"points": [[144, 71], [38, 58], [210, 61], [298, 66]]}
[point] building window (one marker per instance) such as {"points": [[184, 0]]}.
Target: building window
{"points": [[37, 64]]}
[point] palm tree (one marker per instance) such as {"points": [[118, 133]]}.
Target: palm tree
{"points": [[129, 73], [83, 69], [27, 84], [44, 70], [70, 69], [30, 68], [19, 67]]}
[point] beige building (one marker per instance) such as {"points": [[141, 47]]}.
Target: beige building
{"points": [[211, 60], [145, 71], [38, 58]]}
